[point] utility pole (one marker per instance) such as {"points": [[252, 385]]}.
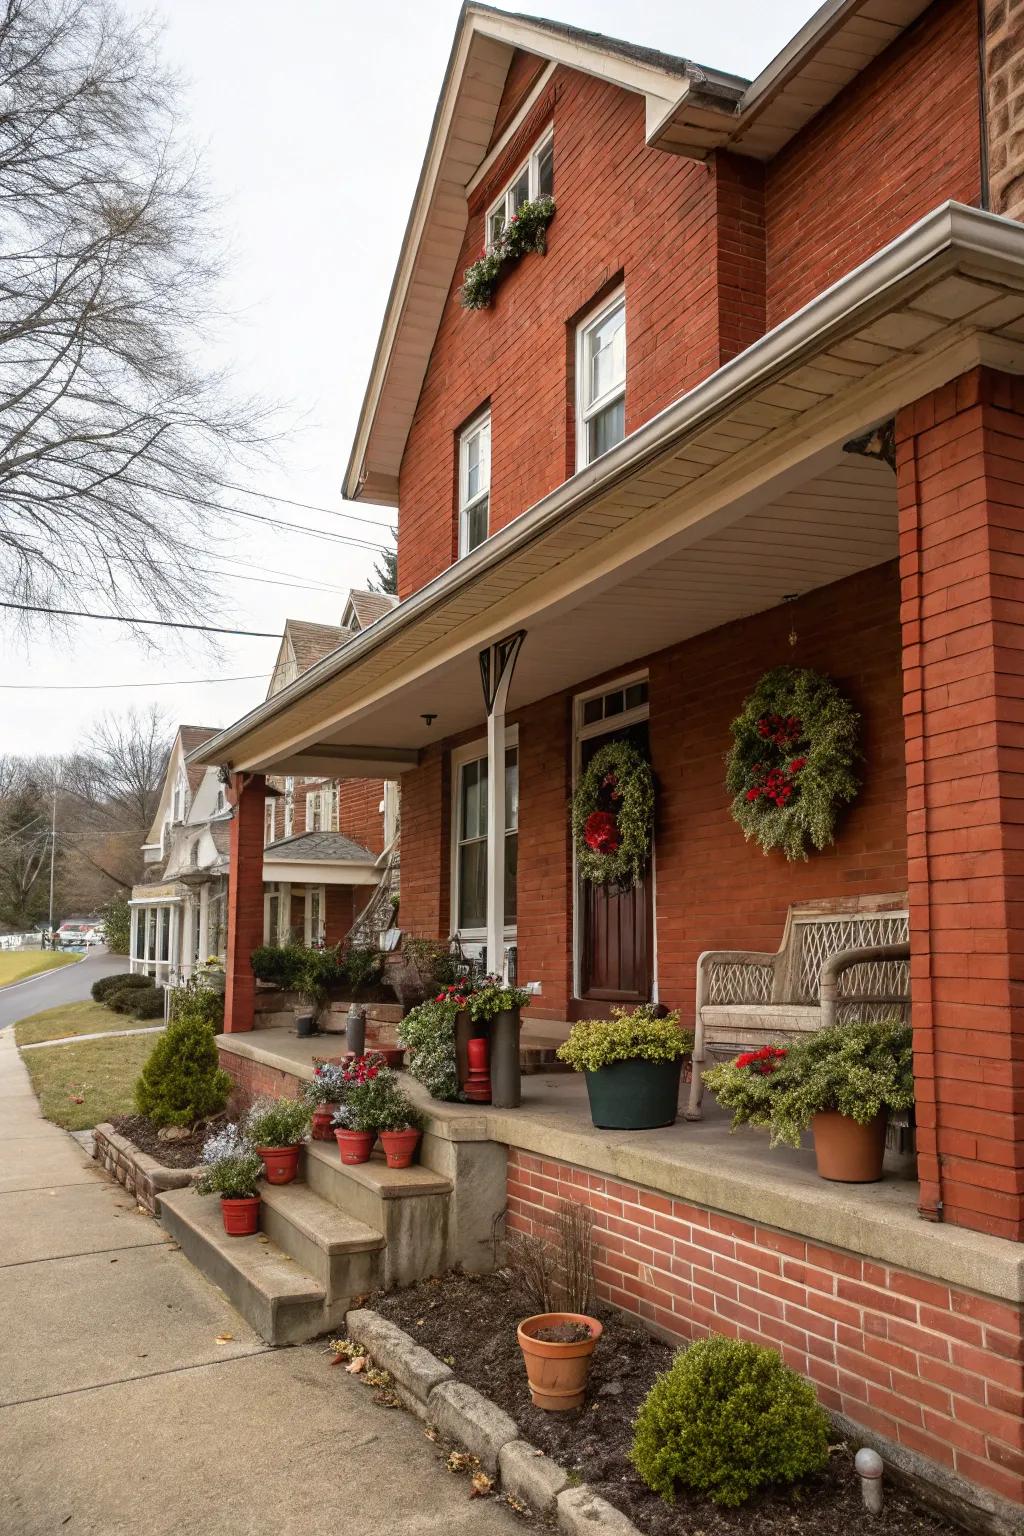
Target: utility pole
{"points": [[53, 849]]}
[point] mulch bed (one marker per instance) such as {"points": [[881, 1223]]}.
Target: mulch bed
{"points": [[470, 1321], [183, 1153]]}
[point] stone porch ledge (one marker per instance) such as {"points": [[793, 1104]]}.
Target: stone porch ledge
{"points": [[703, 1163]]}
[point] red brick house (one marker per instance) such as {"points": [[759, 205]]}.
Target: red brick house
{"points": [[756, 403]]}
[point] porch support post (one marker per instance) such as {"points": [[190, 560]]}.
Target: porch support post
{"points": [[204, 922], [497, 663], [247, 792], [960, 467], [133, 939], [188, 938]]}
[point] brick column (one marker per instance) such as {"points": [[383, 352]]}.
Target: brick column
{"points": [[961, 500], [245, 898]]}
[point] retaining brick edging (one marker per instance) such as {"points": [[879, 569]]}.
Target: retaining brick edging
{"points": [[430, 1390], [141, 1174]]}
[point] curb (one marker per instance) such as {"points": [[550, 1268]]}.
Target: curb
{"points": [[433, 1393]]}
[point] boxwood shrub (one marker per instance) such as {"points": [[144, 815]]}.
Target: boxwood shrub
{"points": [[102, 989]]}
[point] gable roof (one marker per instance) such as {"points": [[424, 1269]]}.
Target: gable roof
{"points": [[192, 736], [311, 642], [316, 848], [691, 110], [367, 608]]}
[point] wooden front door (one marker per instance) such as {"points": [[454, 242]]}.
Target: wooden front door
{"points": [[615, 926]]}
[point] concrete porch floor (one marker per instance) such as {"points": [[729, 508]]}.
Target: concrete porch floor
{"points": [[704, 1163]]}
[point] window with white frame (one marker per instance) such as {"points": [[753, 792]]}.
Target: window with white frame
{"points": [[534, 178], [474, 483], [601, 381], [315, 914], [268, 820], [332, 798], [315, 811], [469, 784], [289, 807]]}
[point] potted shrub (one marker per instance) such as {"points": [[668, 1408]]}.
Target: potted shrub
{"points": [[232, 1169], [554, 1268], [314, 972], [841, 1083], [400, 1125], [355, 1123], [428, 1032], [277, 1129], [632, 1064], [497, 1004], [323, 1096]]}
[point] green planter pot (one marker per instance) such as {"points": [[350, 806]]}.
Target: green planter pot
{"points": [[634, 1095]]}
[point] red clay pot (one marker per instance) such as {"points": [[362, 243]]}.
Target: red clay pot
{"points": [[400, 1147], [280, 1164], [557, 1373], [322, 1117], [355, 1146], [241, 1217], [847, 1152]]}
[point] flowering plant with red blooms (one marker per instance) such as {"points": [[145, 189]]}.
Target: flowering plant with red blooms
{"points": [[457, 992], [793, 762], [763, 1061], [600, 832]]}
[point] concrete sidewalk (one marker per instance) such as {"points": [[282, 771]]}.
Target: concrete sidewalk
{"points": [[134, 1401]]}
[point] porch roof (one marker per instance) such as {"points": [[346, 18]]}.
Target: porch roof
{"points": [[733, 497], [320, 858]]}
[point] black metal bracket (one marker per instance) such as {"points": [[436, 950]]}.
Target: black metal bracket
{"points": [[879, 443], [505, 653]]}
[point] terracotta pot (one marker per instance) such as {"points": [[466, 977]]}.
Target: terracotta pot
{"points": [[355, 1146], [849, 1153], [280, 1164], [557, 1373], [400, 1147], [241, 1217], [322, 1116]]}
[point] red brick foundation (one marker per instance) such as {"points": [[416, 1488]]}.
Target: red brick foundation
{"points": [[253, 1080], [933, 1369]]}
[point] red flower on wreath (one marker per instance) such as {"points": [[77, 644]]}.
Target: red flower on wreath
{"points": [[783, 730], [600, 832], [762, 1062]]}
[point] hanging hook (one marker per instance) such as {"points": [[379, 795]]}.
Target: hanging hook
{"points": [[791, 597]]}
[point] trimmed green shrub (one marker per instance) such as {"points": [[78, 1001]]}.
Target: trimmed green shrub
{"points": [[727, 1419], [124, 999], [636, 1034], [276, 963], [181, 1082], [146, 1002], [101, 989], [199, 1003]]}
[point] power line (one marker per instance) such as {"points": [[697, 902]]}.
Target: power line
{"points": [[181, 682], [306, 506], [258, 517], [116, 618]]}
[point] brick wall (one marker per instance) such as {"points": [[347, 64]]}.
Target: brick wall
{"points": [[254, 1080], [359, 813], [961, 486], [935, 1369], [1004, 56], [425, 860], [902, 138]]}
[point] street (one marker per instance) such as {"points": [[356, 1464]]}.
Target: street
{"points": [[68, 984]]}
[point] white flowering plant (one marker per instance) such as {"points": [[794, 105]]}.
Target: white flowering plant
{"points": [[231, 1166]]}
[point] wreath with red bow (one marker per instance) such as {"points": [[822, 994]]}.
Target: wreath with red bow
{"points": [[613, 815], [794, 761]]}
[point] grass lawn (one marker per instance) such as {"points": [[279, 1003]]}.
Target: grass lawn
{"points": [[15, 965], [70, 1019], [101, 1073]]}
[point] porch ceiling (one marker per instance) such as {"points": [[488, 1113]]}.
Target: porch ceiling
{"points": [[733, 497]]}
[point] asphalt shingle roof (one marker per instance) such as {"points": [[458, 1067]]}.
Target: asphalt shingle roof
{"points": [[319, 848], [312, 642], [193, 736], [368, 607]]}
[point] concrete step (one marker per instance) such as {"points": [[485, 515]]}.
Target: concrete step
{"points": [[342, 1254], [282, 1302], [410, 1206]]}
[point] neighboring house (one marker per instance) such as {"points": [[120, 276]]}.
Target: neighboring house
{"points": [[758, 403]]}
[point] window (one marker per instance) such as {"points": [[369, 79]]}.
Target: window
{"points": [[470, 903], [315, 912], [314, 811], [535, 178], [601, 382], [268, 820], [474, 483], [289, 807], [221, 802], [619, 701]]}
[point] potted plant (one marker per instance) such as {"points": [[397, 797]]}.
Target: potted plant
{"points": [[277, 1129], [355, 1122], [429, 1033], [323, 1096], [632, 1064], [557, 1347], [314, 972], [497, 1004], [840, 1082], [400, 1125], [416, 968], [232, 1169]]}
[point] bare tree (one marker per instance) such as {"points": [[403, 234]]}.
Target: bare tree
{"points": [[114, 438]]}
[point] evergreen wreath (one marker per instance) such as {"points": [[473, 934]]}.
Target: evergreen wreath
{"points": [[613, 815], [794, 760]]}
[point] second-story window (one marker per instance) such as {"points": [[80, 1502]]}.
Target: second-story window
{"points": [[601, 381], [474, 483], [268, 820], [289, 806], [535, 178]]}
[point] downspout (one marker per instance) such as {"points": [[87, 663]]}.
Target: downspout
{"points": [[985, 201]]}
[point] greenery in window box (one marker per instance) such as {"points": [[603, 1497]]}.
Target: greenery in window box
{"points": [[525, 231], [231, 1167], [727, 1419], [853, 1069], [428, 1034], [493, 996], [277, 1123], [377, 1103], [636, 1034]]}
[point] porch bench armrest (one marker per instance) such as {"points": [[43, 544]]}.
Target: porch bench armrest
{"points": [[843, 960], [710, 959]]}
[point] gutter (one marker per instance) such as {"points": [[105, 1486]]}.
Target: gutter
{"points": [[947, 231]]}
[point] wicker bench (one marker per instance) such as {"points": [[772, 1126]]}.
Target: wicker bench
{"points": [[839, 961]]}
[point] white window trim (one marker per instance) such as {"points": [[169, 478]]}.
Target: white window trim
{"points": [[480, 424], [307, 914], [314, 808], [531, 164], [605, 727], [269, 816], [471, 752], [584, 413], [289, 806]]}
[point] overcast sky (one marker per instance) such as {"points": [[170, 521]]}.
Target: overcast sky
{"points": [[312, 117]]}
